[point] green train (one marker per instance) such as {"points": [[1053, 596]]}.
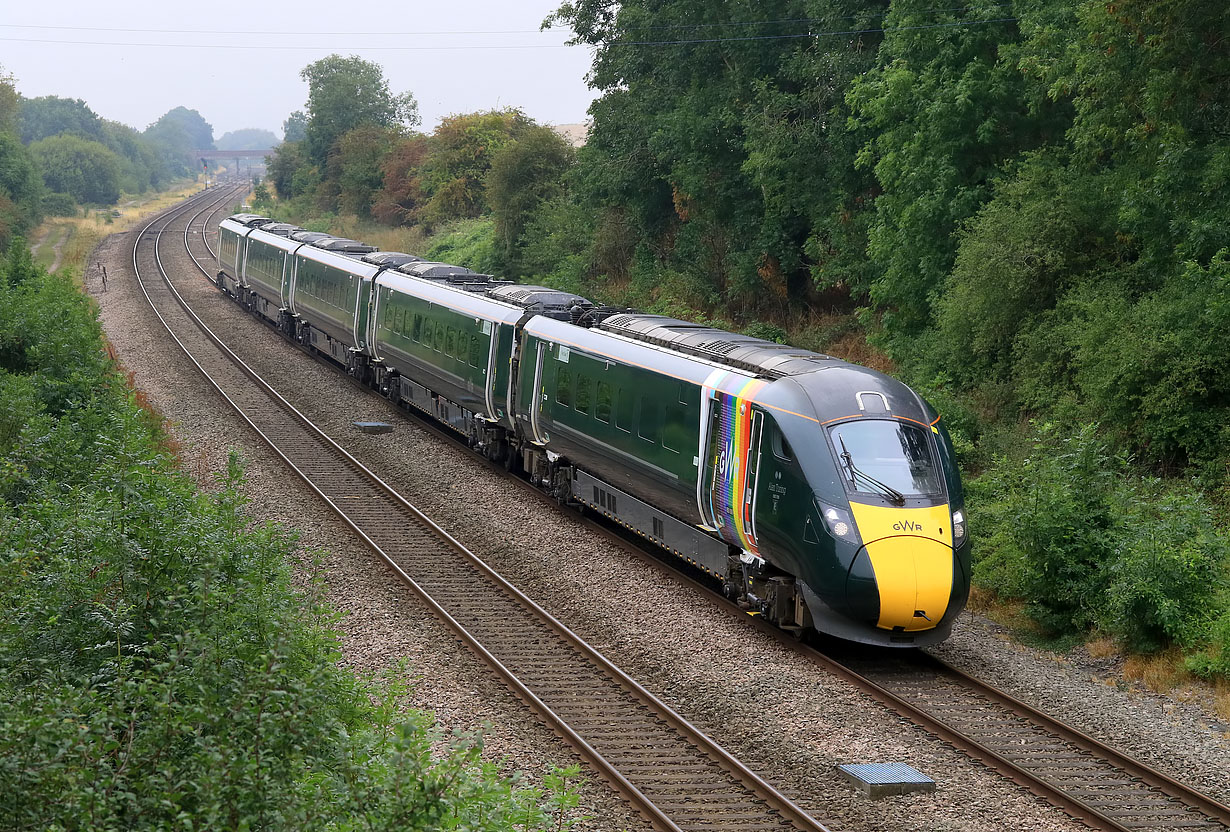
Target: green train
{"points": [[820, 494]]}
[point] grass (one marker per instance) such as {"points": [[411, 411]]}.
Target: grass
{"points": [[80, 235]]}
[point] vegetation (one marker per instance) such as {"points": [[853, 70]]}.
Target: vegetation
{"points": [[249, 138], [158, 667], [59, 150], [1021, 209]]}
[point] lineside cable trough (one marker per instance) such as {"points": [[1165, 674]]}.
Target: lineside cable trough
{"points": [[884, 779]]}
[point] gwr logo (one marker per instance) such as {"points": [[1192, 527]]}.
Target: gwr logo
{"points": [[907, 526]]}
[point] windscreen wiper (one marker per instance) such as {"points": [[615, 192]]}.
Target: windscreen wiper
{"points": [[883, 489]]}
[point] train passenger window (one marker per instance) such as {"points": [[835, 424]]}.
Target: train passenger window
{"points": [[781, 448], [476, 352], [647, 425], [563, 385], [602, 405], [450, 341], [623, 411], [582, 404], [438, 338], [417, 328]]}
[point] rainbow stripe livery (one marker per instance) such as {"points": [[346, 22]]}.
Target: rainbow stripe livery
{"points": [[731, 455]]}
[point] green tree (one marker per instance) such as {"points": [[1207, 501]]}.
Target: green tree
{"points": [[287, 159], [294, 129], [249, 138], [454, 174], [355, 166], [86, 170], [524, 175], [21, 188], [347, 93], [9, 101], [942, 110], [51, 115]]}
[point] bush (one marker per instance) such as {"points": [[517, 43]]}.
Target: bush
{"points": [[59, 205], [1085, 546], [469, 243], [158, 667]]}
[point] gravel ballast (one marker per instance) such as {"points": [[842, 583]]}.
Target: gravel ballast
{"points": [[778, 712]]}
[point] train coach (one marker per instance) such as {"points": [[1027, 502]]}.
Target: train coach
{"points": [[819, 493]]}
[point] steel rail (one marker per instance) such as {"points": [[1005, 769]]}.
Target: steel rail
{"points": [[581, 730], [1075, 807]]}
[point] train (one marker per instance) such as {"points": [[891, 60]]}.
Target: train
{"points": [[817, 493]]}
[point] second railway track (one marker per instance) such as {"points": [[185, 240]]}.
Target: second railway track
{"points": [[673, 774]]}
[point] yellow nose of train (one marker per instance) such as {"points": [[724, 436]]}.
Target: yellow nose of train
{"points": [[910, 550]]}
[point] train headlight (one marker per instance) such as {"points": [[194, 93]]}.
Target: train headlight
{"points": [[839, 523], [958, 527]]}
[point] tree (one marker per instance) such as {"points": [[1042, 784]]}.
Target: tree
{"points": [[8, 101], [355, 165], [524, 175], [283, 165], [51, 115], [347, 93], [248, 138], [85, 170], [294, 129], [398, 202], [21, 188], [454, 174], [198, 131]]}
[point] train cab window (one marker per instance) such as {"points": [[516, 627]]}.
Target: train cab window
{"points": [[781, 448], [647, 425], [623, 411], [563, 386], [602, 403], [582, 404]]}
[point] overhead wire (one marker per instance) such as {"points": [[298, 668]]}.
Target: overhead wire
{"points": [[617, 42]]}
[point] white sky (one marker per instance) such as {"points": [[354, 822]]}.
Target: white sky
{"points": [[238, 64]]}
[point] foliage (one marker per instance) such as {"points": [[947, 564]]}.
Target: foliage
{"points": [[399, 201], [248, 138], [176, 136], [59, 205], [524, 174], [50, 115], [1086, 547], [294, 128], [158, 667], [21, 188], [85, 170], [355, 165], [348, 93], [461, 150], [469, 243]]}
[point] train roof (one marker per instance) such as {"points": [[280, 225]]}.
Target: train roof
{"points": [[742, 352], [551, 302], [344, 245], [282, 229], [250, 220], [431, 269], [391, 259], [310, 236]]}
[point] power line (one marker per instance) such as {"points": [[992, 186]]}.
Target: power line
{"points": [[655, 27], [471, 47]]}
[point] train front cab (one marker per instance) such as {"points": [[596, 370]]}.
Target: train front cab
{"points": [[884, 562]]}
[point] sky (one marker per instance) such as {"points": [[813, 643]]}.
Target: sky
{"points": [[238, 64]]}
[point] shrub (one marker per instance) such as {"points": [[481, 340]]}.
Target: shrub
{"points": [[59, 205]]}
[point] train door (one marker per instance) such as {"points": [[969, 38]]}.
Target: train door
{"points": [[727, 488]]}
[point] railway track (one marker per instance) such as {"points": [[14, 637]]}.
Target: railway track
{"points": [[678, 778]]}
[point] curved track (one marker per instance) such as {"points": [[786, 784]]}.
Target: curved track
{"points": [[673, 774]]}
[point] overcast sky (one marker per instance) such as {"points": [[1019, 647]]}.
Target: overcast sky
{"points": [[238, 64]]}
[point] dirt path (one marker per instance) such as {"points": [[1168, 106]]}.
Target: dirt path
{"points": [[59, 248]]}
